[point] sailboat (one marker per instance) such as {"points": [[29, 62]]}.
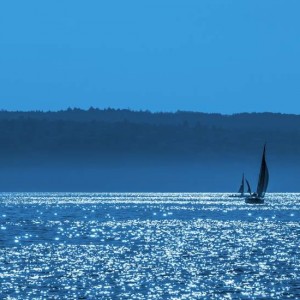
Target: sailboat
{"points": [[248, 186], [241, 189], [262, 185]]}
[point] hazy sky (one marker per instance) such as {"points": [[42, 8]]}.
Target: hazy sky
{"points": [[205, 55]]}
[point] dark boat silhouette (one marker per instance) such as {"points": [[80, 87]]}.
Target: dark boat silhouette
{"points": [[242, 187], [241, 190], [262, 185], [248, 186]]}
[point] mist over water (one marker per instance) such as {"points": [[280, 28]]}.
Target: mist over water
{"points": [[152, 175], [148, 246]]}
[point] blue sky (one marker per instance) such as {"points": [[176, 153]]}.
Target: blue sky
{"points": [[163, 55]]}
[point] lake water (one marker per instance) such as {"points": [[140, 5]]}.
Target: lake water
{"points": [[148, 246]]}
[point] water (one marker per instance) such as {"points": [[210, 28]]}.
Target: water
{"points": [[148, 246]]}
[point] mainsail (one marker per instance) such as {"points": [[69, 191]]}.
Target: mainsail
{"points": [[241, 189], [249, 188], [263, 176]]}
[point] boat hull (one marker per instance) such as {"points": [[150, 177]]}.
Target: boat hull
{"points": [[254, 200]]}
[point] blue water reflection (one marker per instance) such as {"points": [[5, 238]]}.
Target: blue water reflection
{"points": [[148, 246]]}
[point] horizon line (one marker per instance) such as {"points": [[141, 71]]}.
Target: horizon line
{"points": [[91, 108]]}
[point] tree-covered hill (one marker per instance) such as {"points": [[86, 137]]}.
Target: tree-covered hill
{"points": [[105, 134]]}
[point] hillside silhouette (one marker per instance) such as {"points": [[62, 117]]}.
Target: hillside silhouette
{"points": [[109, 133]]}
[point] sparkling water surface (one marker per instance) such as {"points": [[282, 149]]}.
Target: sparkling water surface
{"points": [[148, 246]]}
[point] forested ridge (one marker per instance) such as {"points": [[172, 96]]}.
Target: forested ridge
{"points": [[110, 133]]}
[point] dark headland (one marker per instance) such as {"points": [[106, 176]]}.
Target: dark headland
{"points": [[122, 150]]}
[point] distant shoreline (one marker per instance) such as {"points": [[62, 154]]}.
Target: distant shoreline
{"points": [[149, 111]]}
